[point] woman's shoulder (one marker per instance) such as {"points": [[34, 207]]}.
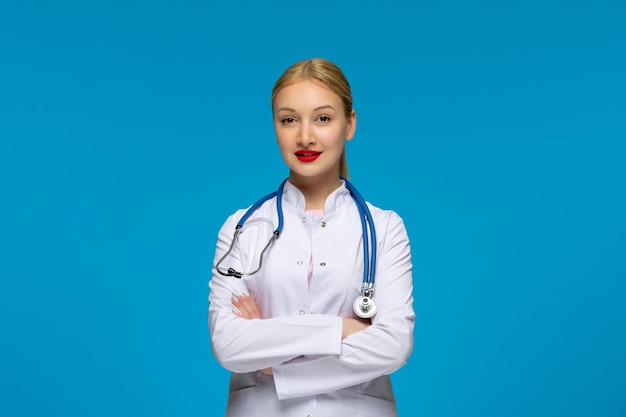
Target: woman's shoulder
{"points": [[233, 219], [386, 220], [383, 213]]}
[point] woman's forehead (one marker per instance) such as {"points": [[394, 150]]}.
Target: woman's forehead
{"points": [[306, 93]]}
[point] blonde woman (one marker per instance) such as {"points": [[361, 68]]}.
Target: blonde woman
{"points": [[282, 310]]}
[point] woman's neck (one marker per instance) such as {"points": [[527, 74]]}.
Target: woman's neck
{"points": [[315, 191]]}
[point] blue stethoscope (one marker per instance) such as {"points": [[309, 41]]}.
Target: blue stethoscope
{"points": [[365, 306]]}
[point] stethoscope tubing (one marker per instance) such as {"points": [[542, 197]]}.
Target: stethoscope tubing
{"points": [[279, 209], [364, 306], [369, 265]]}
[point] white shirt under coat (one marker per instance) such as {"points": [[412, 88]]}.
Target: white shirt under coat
{"points": [[315, 372]]}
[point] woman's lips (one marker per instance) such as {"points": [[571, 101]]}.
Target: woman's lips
{"points": [[307, 156]]}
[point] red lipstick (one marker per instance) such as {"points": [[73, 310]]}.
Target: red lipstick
{"points": [[307, 156]]}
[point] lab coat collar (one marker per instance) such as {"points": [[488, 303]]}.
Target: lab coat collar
{"points": [[293, 197]]}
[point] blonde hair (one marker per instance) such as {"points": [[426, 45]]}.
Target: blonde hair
{"points": [[329, 74]]}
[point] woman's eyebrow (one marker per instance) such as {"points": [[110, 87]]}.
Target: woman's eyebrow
{"points": [[285, 109], [289, 109], [326, 106]]}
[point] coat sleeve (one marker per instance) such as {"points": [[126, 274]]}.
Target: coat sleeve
{"points": [[380, 349], [241, 345]]}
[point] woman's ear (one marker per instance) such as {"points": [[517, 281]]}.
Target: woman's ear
{"points": [[351, 125]]}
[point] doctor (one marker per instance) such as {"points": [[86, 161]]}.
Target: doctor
{"points": [[288, 332]]}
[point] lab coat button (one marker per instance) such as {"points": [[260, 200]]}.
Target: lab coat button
{"points": [[323, 224], [304, 220], [322, 263], [302, 312], [299, 262]]}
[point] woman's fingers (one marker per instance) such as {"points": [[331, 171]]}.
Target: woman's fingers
{"points": [[246, 307], [249, 306], [351, 326], [238, 303]]}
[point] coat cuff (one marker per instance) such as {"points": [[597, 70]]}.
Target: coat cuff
{"points": [[281, 372]]}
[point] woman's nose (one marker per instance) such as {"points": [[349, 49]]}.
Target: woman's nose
{"points": [[306, 137]]}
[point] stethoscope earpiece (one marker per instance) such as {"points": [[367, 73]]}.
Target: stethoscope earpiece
{"points": [[364, 306]]}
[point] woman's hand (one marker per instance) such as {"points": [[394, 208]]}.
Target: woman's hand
{"points": [[247, 310], [351, 326], [246, 307]]}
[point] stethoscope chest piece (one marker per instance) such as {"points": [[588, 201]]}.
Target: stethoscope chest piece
{"points": [[365, 307]]}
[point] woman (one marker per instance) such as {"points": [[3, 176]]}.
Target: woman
{"points": [[289, 332]]}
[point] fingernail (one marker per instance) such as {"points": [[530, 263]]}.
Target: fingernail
{"points": [[235, 299]]}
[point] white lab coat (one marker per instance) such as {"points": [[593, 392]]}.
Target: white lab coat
{"points": [[315, 372]]}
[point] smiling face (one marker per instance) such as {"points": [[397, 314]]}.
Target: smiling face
{"points": [[311, 129]]}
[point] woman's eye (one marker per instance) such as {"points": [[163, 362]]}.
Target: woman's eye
{"points": [[324, 119], [287, 120]]}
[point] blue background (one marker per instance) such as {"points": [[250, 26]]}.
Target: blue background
{"points": [[130, 130]]}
